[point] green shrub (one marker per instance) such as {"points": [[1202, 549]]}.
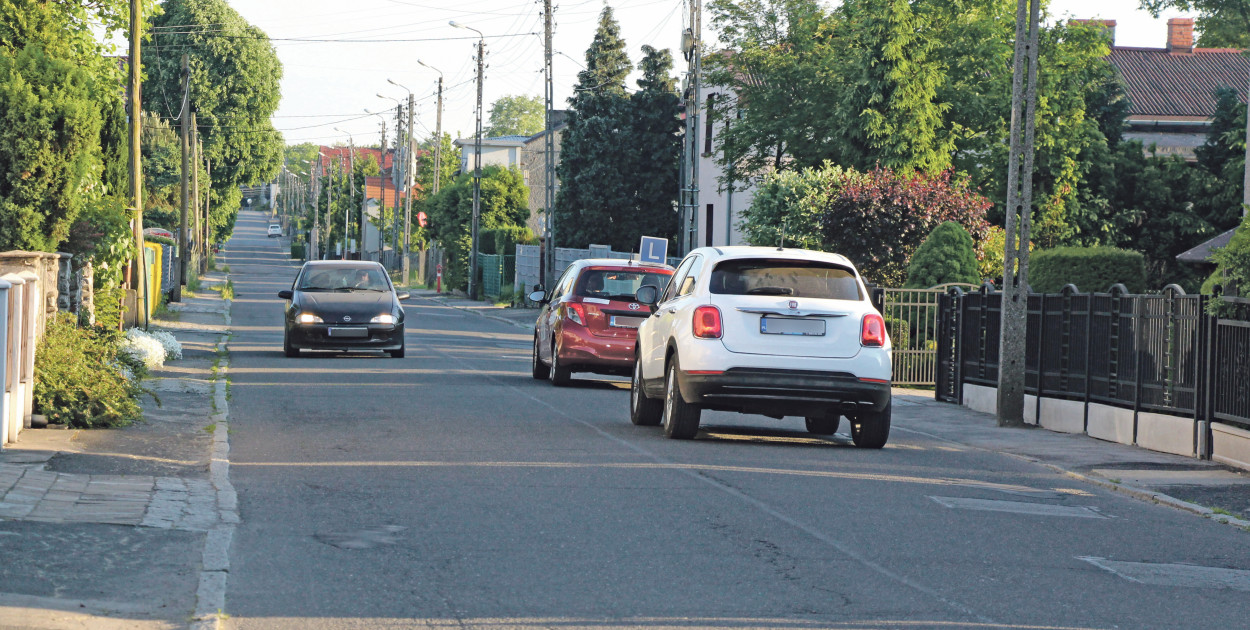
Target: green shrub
{"points": [[80, 377], [1233, 272], [946, 255], [297, 250], [108, 307], [1091, 269], [899, 330], [504, 240]]}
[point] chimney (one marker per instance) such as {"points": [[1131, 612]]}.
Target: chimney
{"points": [[1181, 35], [1108, 27]]}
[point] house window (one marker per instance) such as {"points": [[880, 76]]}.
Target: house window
{"points": [[708, 223], [707, 125]]}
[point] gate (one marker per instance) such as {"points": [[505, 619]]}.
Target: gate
{"points": [[911, 316]]}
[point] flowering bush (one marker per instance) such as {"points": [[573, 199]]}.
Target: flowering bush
{"points": [[877, 219], [143, 347], [173, 349]]}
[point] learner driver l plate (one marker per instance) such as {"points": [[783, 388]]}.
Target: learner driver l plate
{"points": [[801, 326]]}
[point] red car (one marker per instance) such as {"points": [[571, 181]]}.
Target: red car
{"points": [[589, 321]]}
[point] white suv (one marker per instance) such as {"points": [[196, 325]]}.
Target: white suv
{"points": [[275, 229], [772, 331]]}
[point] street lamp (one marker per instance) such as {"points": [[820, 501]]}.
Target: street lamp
{"points": [[409, 149], [477, 160], [438, 128], [351, 180]]}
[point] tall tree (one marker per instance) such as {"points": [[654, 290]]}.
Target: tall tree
{"points": [[235, 76], [1220, 23], [593, 191], [654, 153], [889, 112], [516, 116]]}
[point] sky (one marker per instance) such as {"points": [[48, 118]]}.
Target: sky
{"points": [[327, 86]]}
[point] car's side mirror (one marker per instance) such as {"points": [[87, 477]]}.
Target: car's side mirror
{"points": [[539, 296], [286, 294], [648, 295], [402, 296]]}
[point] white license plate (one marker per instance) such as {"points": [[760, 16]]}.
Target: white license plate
{"points": [[806, 327], [356, 332], [619, 321]]}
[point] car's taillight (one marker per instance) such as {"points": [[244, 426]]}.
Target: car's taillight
{"points": [[872, 332], [707, 322], [576, 312]]}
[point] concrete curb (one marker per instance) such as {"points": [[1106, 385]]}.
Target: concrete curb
{"points": [[439, 300], [215, 562]]}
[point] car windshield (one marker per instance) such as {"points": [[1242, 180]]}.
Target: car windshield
{"points": [[617, 285], [791, 278], [343, 279]]}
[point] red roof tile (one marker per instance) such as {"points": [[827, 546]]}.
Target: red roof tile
{"points": [[376, 187], [1163, 83], [333, 154]]}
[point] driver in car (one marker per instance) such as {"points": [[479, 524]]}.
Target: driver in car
{"points": [[362, 281]]}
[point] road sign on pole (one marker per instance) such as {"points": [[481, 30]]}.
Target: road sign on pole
{"points": [[653, 250]]}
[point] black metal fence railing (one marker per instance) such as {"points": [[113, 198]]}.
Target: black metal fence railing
{"points": [[1159, 353]]}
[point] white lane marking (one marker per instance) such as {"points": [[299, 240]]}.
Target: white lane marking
{"points": [[1017, 507], [1183, 575]]}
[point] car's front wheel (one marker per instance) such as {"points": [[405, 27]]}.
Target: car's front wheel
{"points": [[871, 429], [539, 369], [288, 349], [681, 419], [397, 354], [823, 425], [643, 411]]}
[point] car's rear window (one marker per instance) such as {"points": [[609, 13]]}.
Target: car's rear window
{"points": [[343, 278], [790, 278], [617, 285]]}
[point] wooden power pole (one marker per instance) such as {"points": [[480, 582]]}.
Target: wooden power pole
{"points": [[139, 267], [184, 228]]}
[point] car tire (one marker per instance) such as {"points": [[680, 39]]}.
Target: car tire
{"points": [[558, 374], [643, 411], [537, 367], [397, 354], [680, 419], [823, 425], [871, 429], [287, 349]]}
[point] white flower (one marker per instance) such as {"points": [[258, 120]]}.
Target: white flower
{"points": [[173, 349], [144, 347]]}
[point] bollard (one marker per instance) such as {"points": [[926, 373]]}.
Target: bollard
{"points": [[13, 358], [31, 318], [4, 355]]}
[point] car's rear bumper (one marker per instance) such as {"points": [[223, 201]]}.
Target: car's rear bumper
{"points": [[584, 351], [317, 337], [783, 392]]}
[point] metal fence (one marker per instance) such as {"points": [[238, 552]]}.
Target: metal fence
{"points": [[911, 316], [1158, 353], [494, 270]]}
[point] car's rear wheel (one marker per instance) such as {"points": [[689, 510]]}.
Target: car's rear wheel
{"points": [[287, 348], [537, 367], [643, 411], [681, 419], [871, 429], [823, 425], [558, 374]]}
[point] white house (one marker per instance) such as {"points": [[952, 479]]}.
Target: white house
{"points": [[720, 205]]}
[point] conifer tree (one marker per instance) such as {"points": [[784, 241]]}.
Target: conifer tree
{"points": [[655, 152]]}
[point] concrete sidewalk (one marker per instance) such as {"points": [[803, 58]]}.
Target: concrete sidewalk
{"points": [[106, 528], [1202, 487]]}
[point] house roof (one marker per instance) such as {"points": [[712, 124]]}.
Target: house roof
{"points": [[377, 187], [497, 141], [1202, 253], [333, 154], [1174, 84]]}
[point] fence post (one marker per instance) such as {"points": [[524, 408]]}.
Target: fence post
{"points": [[12, 385], [1139, 339], [4, 360], [1089, 358], [30, 337]]}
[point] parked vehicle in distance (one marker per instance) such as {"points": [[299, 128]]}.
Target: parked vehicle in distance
{"points": [[589, 321], [771, 331], [275, 230], [343, 305]]}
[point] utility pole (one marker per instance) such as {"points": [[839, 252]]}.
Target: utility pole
{"points": [[408, 173], [1011, 345], [692, 42], [139, 266], [477, 160], [438, 129], [549, 155], [314, 243], [198, 248], [208, 198], [351, 188], [184, 256]]}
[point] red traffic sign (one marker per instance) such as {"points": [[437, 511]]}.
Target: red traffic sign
{"points": [[421, 219], [439, 269]]}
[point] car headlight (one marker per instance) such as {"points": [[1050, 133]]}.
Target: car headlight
{"points": [[307, 318], [384, 318]]}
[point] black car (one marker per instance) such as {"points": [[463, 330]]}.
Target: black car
{"points": [[343, 305]]}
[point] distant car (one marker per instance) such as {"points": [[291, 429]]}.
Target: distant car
{"points": [[343, 305], [275, 230], [589, 320], [777, 332]]}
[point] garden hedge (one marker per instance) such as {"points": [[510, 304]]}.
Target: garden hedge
{"points": [[1091, 269]]}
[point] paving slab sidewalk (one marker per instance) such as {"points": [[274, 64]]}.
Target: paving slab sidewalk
{"points": [[1203, 487], [105, 528]]}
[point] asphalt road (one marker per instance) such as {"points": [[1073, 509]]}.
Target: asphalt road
{"points": [[449, 488]]}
